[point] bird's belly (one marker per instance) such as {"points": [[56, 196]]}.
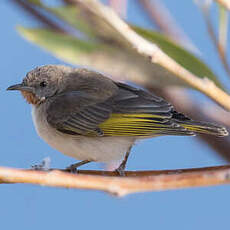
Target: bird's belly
{"points": [[101, 149]]}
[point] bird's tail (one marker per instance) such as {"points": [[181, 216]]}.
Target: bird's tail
{"points": [[205, 127], [199, 126]]}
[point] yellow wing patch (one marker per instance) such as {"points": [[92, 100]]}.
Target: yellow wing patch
{"points": [[133, 125]]}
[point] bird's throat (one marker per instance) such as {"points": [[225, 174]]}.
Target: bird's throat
{"points": [[30, 97]]}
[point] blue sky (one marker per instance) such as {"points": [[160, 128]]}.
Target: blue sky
{"points": [[35, 207]]}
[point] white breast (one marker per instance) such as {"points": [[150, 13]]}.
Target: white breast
{"points": [[101, 149]]}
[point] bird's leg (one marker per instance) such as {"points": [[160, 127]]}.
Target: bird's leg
{"points": [[121, 169], [73, 168]]}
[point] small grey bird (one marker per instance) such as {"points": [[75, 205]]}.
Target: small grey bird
{"points": [[90, 117]]}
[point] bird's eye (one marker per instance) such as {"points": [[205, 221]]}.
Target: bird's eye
{"points": [[43, 84]]}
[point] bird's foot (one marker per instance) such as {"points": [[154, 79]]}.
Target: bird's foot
{"points": [[73, 168], [121, 170]]}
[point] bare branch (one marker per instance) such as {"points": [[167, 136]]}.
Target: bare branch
{"points": [[121, 186]]}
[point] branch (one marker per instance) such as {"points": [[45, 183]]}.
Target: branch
{"points": [[153, 52], [141, 181]]}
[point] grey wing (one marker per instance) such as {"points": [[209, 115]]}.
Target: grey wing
{"points": [[153, 112], [133, 100], [77, 113]]}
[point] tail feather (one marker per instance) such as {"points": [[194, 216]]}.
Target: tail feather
{"points": [[199, 126], [206, 128]]}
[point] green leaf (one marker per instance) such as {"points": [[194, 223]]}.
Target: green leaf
{"points": [[180, 55], [66, 47]]}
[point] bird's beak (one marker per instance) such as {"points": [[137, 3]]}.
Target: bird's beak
{"points": [[20, 87]]}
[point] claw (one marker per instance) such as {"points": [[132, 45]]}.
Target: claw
{"points": [[73, 168], [121, 170]]}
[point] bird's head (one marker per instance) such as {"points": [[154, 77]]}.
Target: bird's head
{"points": [[41, 83]]}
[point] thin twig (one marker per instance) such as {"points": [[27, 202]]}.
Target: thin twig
{"points": [[121, 186], [154, 53]]}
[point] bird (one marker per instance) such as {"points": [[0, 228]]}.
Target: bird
{"points": [[92, 118]]}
